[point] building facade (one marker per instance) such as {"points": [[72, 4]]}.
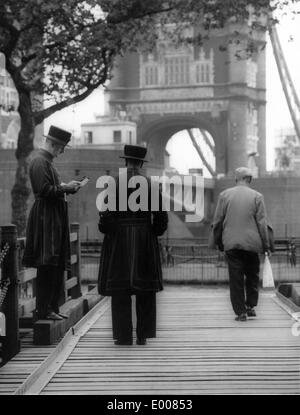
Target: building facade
{"points": [[9, 101], [174, 88], [108, 132], [287, 151]]}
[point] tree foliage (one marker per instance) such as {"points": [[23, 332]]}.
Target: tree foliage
{"points": [[65, 49]]}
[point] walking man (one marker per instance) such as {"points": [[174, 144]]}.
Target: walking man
{"points": [[47, 234], [240, 228], [130, 260]]}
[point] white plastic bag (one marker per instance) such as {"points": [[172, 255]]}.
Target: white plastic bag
{"points": [[268, 280], [2, 325]]}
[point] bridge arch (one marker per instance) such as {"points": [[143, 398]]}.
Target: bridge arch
{"points": [[157, 132], [191, 151]]}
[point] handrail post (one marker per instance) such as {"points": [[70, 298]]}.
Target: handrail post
{"points": [[76, 268], [11, 343]]}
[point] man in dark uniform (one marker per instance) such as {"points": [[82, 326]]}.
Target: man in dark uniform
{"points": [[47, 234], [130, 260]]}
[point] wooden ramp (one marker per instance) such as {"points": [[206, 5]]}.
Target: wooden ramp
{"points": [[17, 370], [199, 349]]}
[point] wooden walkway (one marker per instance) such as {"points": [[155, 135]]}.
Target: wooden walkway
{"points": [[199, 349]]}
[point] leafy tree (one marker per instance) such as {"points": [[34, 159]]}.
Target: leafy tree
{"points": [[66, 49]]}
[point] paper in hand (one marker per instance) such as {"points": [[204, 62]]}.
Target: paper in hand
{"points": [[84, 181]]}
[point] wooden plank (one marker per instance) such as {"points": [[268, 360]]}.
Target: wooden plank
{"points": [[196, 351], [26, 275], [73, 236], [27, 306], [73, 259], [288, 305], [71, 282], [199, 349], [40, 377]]}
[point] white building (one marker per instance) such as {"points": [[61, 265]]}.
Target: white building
{"points": [[108, 133], [9, 101], [287, 150]]}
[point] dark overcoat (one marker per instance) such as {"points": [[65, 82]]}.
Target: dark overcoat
{"points": [[130, 258], [47, 233]]}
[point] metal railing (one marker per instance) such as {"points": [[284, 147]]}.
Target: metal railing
{"points": [[195, 262], [191, 261]]}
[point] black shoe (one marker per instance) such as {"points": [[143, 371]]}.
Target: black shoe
{"points": [[63, 315], [141, 341], [127, 342], [53, 316], [241, 317], [251, 312]]}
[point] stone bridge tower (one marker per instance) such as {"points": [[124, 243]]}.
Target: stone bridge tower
{"points": [[172, 89]]}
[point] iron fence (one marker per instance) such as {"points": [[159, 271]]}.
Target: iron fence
{"points": [[90, 261], [191, 261]]}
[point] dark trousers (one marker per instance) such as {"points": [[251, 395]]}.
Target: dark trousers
{"points": [[49, 283], [122, 315], [243, 267]]}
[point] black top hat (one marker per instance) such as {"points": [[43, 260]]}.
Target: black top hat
{"points": [[58, 135], [134, 152]]}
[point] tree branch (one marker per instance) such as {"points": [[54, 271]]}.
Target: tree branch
{"points": [[14, 36], [39, 116], [107, 57], [4, 23], [132, 16], [16, 77], [25, 61]]}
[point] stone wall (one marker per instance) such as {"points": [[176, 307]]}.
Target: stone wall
{"points": [[74, 164], [282, 195]]}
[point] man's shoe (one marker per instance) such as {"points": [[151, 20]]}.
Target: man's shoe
{"points": [[53, 316], [241, 317], [251, 312], [63, 315], [141, 341], [123, 342]]}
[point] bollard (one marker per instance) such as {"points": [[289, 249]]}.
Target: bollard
{"points": [[11, 342]]}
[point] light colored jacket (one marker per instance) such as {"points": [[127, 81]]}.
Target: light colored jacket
{"points": [[241, 216]]}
